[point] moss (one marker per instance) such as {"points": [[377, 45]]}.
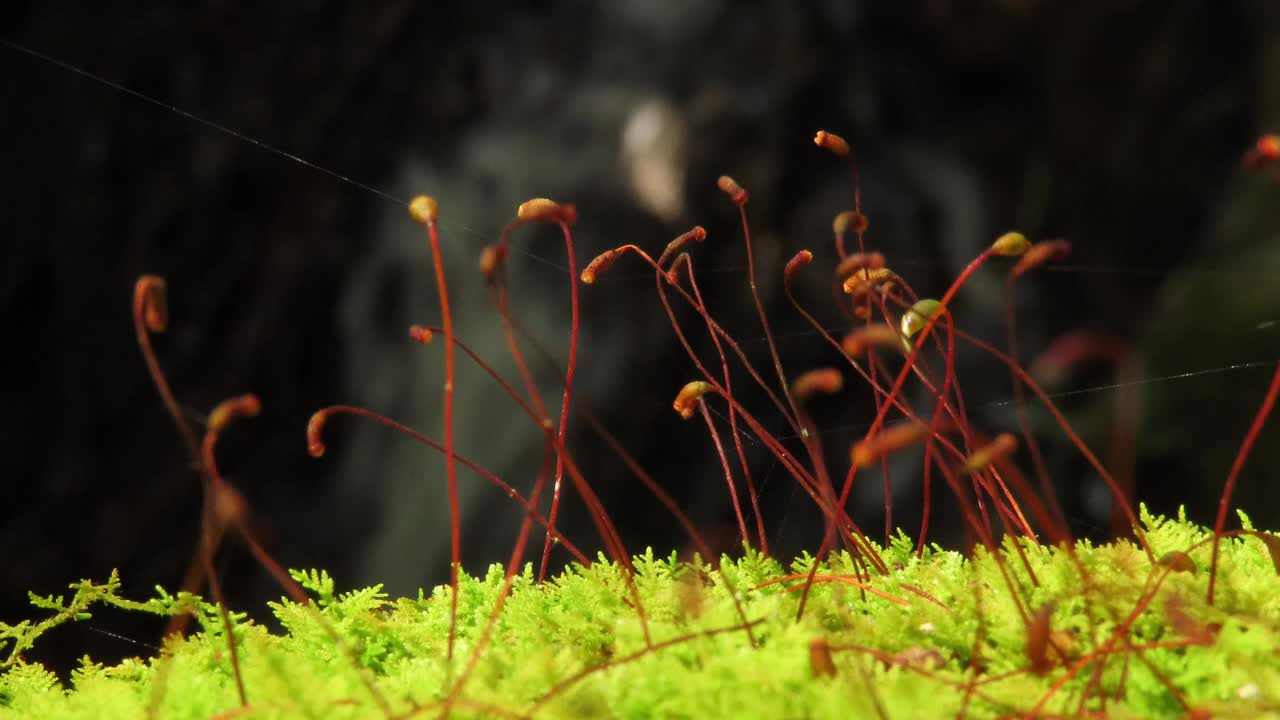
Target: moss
{"points": [[904, 647]]}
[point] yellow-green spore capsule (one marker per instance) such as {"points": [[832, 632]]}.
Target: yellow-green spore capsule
{"points": [[917, 317]]}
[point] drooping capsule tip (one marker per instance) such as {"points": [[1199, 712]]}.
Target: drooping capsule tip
{"points": [[730, 187], [864, 280], [831, 142], [673, 272], [420, 334], [824, 381], [546, 210], [1264, 153], [491, 257], [696, 234], [1039, 254], [151, 291], [841, 221], [686, 402], [1011, 244], [424, 209], [797, 261], [849, 220], [873, 260], [601, 263], [1268, 148], [250, 405], [858, 341], [1003, 445], [315, 446], [246, 405], [870, 449], [915, 319]]}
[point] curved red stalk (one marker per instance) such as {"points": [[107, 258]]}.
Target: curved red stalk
{"points": [[932, 320], [763, 544], [940, 406], [875, 261], [663, 497], [987, 539], [765, 437], [223, 506], [424, 209], [733, 345], [1116, 491], [858, 222], [608, 532], [513, 567], [151, 314], [960, 418], [499, 297], [715, 328], [1225, 501], [983, 530], [543, 210], [215, 588], [317, 448], [728, 476], [870, 379], [1059, 529], [740, 199], [816, 487], [227, 508], [605, 260], [927, 499], [810, 484], [568, 389], [673, 507], [838, 146], [933, 431], [1124, 435], [918, 344]]}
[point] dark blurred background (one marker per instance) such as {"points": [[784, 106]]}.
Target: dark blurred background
{"points": [[1118, 125]]}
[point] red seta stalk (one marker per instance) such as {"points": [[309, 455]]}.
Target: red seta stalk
{"points": [[762, 539], [563, 215], [317, 448], [608, 532], [151, 315], [1268, 402], [426, 210]]}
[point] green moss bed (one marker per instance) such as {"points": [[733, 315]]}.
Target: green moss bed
{"points": [[902, 645]]}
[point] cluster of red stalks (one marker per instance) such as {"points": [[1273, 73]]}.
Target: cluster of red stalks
{"points": [[894, 336]]}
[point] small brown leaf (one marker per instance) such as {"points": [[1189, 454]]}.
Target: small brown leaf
{"points": [[820, 658], [1038, 640], [1178, 561]]}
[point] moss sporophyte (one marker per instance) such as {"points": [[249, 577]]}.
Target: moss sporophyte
{"points": [[1170, 619]]}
